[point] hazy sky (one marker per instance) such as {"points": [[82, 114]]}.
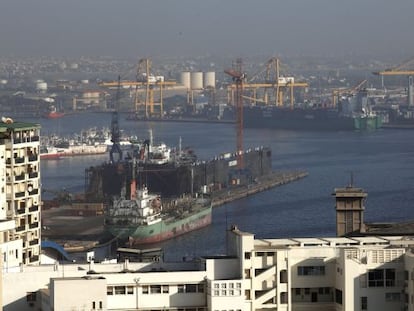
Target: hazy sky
{"points": [[193, 27]]}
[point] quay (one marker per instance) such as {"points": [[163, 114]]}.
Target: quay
{"points": [[263, 183]]}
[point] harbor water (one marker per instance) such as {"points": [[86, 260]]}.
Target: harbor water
{"points": [[381, 162]]}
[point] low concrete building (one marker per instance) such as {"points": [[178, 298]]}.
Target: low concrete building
{"points": [[339, 273]]}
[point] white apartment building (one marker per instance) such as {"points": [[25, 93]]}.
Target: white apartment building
{"points": [[20, 190], [341, 274]]}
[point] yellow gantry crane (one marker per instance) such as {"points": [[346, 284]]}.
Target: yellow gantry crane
{"points": [[145, 84], [401, 70], [348, 91], [273, 85]]}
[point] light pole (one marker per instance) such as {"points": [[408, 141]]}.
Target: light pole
{"points": [[136, 280]]}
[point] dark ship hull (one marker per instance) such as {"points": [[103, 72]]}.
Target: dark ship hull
{"points": [[307, 119], [174, 179]]}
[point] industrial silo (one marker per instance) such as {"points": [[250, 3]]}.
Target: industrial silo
{"points": [[210, 79], [185, 79], [41, 86], [196, 80]]}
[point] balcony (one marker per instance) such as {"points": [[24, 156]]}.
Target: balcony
{"points": [[34, 258], [33, 192], [21, 211], [34, 208], [19, 177], [19, 194], [19, 160], [34, 225], [34, 242], [33, 175], [21, 228], [33, 158]]}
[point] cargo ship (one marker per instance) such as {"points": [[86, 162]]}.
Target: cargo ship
{"points": [[353, 113], [142, 218]]}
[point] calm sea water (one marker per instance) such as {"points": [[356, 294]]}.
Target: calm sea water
{"points": [[381, 162]]}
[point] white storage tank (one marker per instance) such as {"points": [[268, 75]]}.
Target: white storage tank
{"points": [[196, 80], [185, 79], [210, 79], [41, 86]]}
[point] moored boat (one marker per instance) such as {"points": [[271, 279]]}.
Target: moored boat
{"points": [[50, 152], [53, 113], [143, 218]]}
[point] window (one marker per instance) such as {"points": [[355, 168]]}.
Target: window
{"points": [[100, 304], [311, 270], [307, 291], [389, 277], [376, 278], [260, 254], [30, 296], [200, 288], [364, 303], [247, 255], [297, 291], [109, 290], [392, 297], [119, 290], [247, 294], [238, 285], [145, 289], [93, 305], [283, 297], [130, 290], [216, 293], [155, 289], [190, 288], [216, 285], [338, 296], [180, 288], [223, 285], [165, 289]]}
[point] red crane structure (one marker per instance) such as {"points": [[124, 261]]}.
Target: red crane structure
{"points": [[238, 77]]}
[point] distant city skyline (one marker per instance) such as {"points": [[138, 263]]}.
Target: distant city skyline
{"points": [[144, 28]]}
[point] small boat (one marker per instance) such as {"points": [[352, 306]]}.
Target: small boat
{"points": [[144, 219], [53, 113], [50, 153]]}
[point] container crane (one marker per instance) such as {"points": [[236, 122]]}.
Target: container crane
{"points": [[145, 84], [337, 92], [401, 70], [238, 77], [270, 79], [115, 132]]}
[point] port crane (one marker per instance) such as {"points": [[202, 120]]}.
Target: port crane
{"points": [[338, 92], [115, 132], [145, 84], [270, 79], [401, 70], [238, 78]]}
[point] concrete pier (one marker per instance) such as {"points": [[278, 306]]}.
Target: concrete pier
{"points": [[262, 184]]}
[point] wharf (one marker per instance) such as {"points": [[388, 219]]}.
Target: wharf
{"points": [[262, 184]]}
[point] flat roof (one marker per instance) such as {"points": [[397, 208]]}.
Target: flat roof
{"points": [[18, 126]]}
